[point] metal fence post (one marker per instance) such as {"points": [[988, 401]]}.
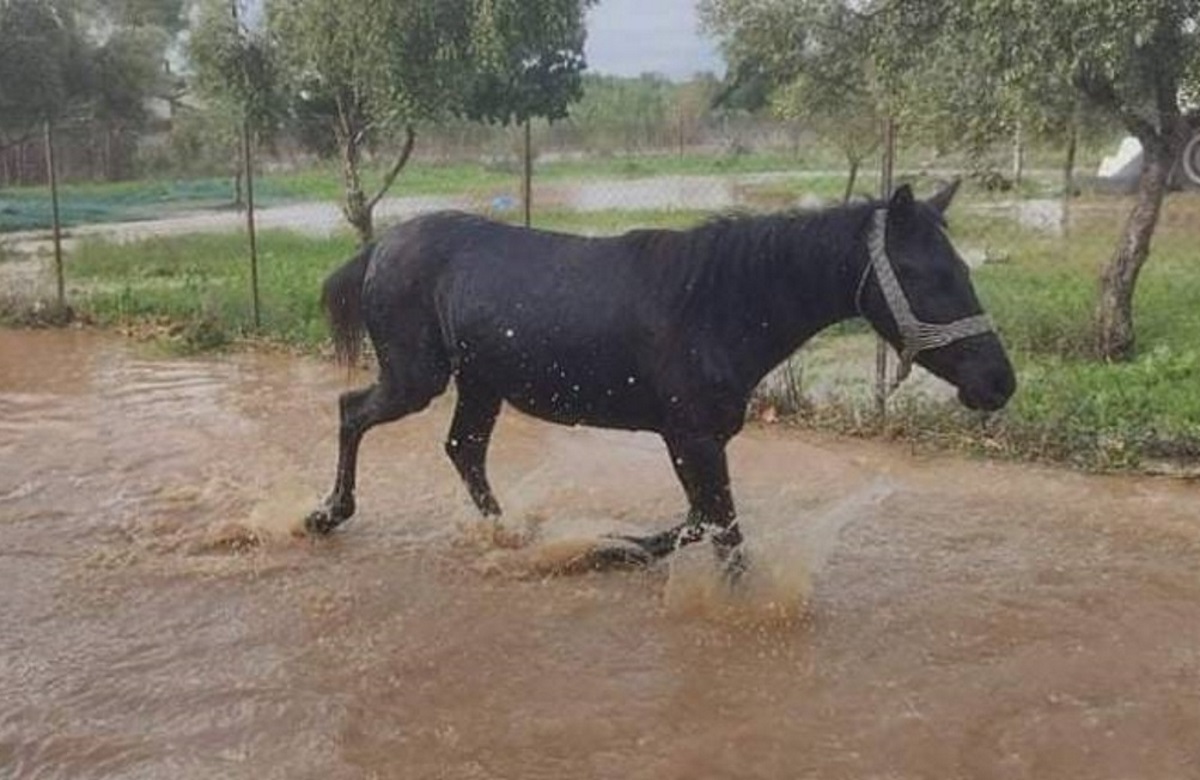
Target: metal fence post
{"points": [[52, 179], [248, 162], [886, 173], [527, 173]]}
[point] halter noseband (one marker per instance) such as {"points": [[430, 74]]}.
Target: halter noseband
{"points": [[915, 336]]}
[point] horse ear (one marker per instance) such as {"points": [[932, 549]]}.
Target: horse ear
{"points": [[941, 200], [902, 199]]}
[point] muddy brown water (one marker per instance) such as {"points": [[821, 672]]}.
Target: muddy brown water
{"points": [[907, 616]]}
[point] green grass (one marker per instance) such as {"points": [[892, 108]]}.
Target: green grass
{"points": [[198, 287]]}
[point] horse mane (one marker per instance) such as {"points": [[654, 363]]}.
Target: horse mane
{"points": [[742, 254]]}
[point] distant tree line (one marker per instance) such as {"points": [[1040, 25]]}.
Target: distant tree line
{"points": [[95, 65]]}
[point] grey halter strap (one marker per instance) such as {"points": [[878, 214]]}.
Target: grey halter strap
{"points": [[915, 336]]}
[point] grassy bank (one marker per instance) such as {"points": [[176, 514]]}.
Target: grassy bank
{"points": [[1069, 408]]}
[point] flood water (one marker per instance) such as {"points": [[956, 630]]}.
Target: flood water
{"points": [[907, 616]]}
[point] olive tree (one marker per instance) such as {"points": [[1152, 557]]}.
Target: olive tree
{"points": [[374, 70], [1130, 62], [43, 66], [967, 72], [236, 74], [814, 55]]}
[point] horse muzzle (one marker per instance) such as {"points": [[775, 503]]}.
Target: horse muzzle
{"points": [[988, 390]]}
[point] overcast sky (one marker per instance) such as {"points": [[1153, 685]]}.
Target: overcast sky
{"points": [[629, 37]]}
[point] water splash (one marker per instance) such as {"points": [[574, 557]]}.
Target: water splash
{"points": [[782, 562], [773, 589]]}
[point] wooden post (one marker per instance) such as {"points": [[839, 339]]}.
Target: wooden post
{"points": [[52, 177], [886, 174]]}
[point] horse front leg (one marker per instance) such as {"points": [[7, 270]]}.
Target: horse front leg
{"points": [[703, 471], [467, 444]]}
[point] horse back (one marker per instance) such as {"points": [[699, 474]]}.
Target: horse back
{"points": [[565, 327]]}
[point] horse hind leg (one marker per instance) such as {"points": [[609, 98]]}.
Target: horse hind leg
{"points": [[466, 445], [361, 410]]}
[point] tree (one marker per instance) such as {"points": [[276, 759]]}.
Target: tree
{"points": [[236, 73], [43, 66], [813, 57], [528, 60], [1130, 61], [85, 61], [42, 76], [125, 70], [968, 72], [851, 123], [380, 68]]}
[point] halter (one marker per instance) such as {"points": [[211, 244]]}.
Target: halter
{"points": [[915, 336]]}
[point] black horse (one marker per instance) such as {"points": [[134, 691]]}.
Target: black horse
{"points": [[657, 330]]}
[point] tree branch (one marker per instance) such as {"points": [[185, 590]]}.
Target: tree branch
{"points": [[410, 138], [870, 14], [1100, 91]]}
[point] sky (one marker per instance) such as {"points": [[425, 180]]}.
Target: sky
{"points": [[630, 37]]}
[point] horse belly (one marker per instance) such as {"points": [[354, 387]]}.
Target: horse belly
{"points": [[565, 406], [569, 364], [595, 388]]}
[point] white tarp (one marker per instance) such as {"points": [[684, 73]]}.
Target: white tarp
{"points": [[1126, 164]]}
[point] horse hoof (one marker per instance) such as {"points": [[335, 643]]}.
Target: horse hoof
{"points": [[652, 547], [620, 553], [319, 523], [736, 564]]}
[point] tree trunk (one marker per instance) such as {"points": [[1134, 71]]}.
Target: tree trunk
{"points": [[238, 202], [851, 179], [1069, 161], [1068, 191], [355, 207], [358, 208], [1018, 158], [1114, 308]]}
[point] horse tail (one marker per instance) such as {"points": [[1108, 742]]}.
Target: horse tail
{"points": [[341, 298]]}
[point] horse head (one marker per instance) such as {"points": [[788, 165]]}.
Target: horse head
{"points": [[916, 292]]}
